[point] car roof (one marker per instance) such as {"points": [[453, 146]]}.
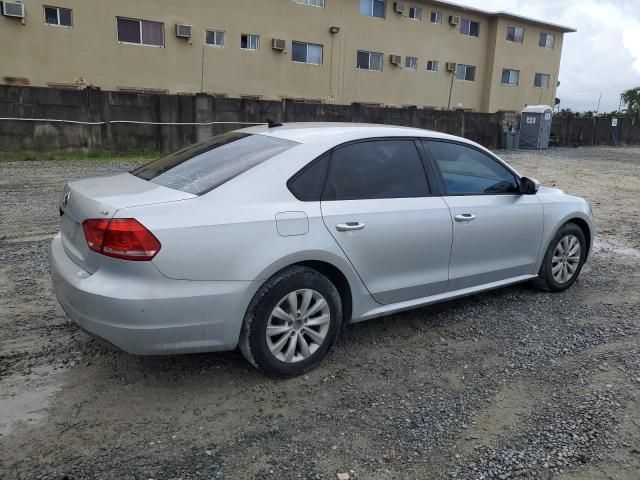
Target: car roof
{"points": [[321, 132]]}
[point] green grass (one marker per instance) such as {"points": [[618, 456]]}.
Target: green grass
{"points": [[140, 156]]}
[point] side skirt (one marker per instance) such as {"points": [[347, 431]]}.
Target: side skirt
{"points": [[442, 297]]}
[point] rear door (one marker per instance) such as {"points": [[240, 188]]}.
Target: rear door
{"points": [[377, 204], [497, 231]]}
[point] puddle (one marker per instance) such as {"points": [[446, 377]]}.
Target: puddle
{"points": [[617, 248], [25, 398]]}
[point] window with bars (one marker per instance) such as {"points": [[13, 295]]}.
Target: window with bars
{"points": [[141, 32]]}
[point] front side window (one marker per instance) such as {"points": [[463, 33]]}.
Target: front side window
{"points": [[469, 28], [415, 13], [57, 16], [547, 40], [376, 169], [436, 17], [369, 61], [306, 53], [467, 171], [541, 80], [215, 38], [515, 34], [313, 3], [142, 32], [373, 8], [432, 65], [510, 77], [204, 166], [249, 42], [465, 72], [411, 63]]}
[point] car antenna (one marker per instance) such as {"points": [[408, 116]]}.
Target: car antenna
{"points": [[272, 124]]}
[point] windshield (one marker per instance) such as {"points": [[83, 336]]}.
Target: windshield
{"points": [[204, 166]]}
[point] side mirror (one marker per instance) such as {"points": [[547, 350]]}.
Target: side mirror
{"points": [[529, 186]]}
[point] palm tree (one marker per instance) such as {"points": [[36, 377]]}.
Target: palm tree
{"points": [[632, 99]]}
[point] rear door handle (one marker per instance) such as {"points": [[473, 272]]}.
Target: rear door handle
{"points": [[465, 217], [350, 226]]}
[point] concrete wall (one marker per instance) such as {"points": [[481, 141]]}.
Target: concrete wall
{"points": [[89, 52], [95, 105]]}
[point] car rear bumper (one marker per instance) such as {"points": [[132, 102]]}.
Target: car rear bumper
{"points": [[147, 313]]}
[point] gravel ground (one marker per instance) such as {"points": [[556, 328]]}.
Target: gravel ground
{"points": [[509, 384]]}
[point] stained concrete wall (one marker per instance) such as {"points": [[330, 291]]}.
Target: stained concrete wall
{"points": [[95, 105]]}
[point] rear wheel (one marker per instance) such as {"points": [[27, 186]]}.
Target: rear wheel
{"points": [[291, 323], [564, 259]]}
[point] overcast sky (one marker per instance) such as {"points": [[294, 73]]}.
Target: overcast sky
{"points": [[602, 57]]}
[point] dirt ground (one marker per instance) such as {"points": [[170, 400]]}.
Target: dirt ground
{"points": [[513, 383]]}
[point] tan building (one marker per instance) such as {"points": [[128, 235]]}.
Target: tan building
{"points": [[426, 53]]}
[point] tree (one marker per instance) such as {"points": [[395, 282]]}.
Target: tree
{"points": [[632, 99]]}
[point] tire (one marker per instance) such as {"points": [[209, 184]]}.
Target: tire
{"points": [[549, 277], [257, 346]]}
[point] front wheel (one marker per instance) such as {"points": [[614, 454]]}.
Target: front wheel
{"points": [[291, 323], [564, 259]]}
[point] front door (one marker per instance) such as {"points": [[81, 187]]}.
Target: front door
{"points": [[497, 232], [378, 206]]}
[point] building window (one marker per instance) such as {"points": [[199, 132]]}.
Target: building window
{"points": [[411, 63], [249, 42], [436, 17], [313, 3], [373, 8], [469, 28], [415, 13], [141, 32], [432, 65], [547, 40], [215, 38], [465, 72], [510, 77], [306, 53], [369, 61], [515, 34], [541, 80], [57, 16]]}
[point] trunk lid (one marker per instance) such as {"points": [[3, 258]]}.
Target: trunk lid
{"points": [[102, 197]]}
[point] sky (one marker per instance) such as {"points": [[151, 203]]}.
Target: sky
{"points": [[602, 57]]}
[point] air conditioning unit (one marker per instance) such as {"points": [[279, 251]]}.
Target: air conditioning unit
{"points": [[13, 9], [454, 20], [451, 66], [278, 44], [183, 31], [395, 59], [400, 7]]}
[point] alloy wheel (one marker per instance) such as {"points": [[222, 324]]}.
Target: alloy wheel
{"points": [[566, 259]]}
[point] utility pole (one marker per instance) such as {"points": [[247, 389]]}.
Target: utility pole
{"points": [[453, 76], [598, 108]]}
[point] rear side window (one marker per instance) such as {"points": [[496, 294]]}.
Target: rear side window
{"points": [[204, 166], [307, 184], [376, 169], [467, 171]]}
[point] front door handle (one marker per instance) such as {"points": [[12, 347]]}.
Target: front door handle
{"points": [[350, 226], [465, 217]]}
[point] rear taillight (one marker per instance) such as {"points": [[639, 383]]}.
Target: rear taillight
{"points": [[124, 238]]}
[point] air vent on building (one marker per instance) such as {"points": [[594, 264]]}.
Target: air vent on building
{"points": [[278, 44], [454, 20], [13, 9], [400, 7], [451, 66], [395, 59], [183, 31]]}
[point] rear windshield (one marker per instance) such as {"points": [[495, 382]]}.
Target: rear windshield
{"points": [[202, 167]]}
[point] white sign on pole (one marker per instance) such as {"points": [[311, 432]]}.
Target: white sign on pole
{"points": [[614, 122]]}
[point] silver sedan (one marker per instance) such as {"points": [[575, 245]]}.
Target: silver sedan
{"points": [[272, 238]]}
